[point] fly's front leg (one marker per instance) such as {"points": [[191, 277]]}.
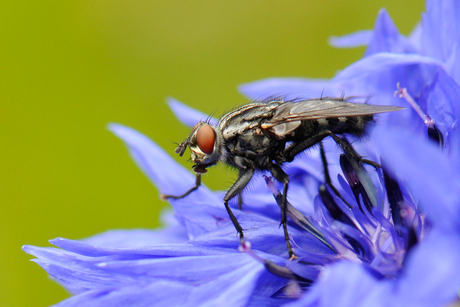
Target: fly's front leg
{"points": [[244, 177], [281, 176], [164, 197]]}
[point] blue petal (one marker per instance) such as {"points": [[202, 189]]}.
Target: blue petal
{"points": [[159, 293], [157, 250], [186, 269], [440, 28], [233, 289], [415, 37], [187, 115], [375, 75], [80, 273], [173, 233], [386, 37], [432, 275], [426, 171], [138, 237], [453, 63], [441, 99], [383, 70], [264, 235], [168, 176], [75, 272], [345, 284], [356, 39], [290, 88]]}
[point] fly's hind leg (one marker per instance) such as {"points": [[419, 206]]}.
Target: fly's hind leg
{"points": [[294, 149], [350, 152], [327, 176]]}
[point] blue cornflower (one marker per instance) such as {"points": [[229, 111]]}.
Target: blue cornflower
{"points": [[392, 236]]}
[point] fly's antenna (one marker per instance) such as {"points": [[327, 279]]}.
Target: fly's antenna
{"points": [[181, 148]]}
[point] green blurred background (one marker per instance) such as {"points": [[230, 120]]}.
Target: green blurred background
{"points": [[70, 67]]}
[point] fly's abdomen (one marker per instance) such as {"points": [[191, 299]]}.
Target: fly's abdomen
{"points": [[345, 124]]}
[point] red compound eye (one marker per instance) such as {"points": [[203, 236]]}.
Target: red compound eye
{"points": [[205, 138]]}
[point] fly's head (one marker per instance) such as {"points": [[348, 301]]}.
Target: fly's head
{"points": [[205, 143]]}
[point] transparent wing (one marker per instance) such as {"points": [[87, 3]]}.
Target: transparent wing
{"points": [[323, 108]]}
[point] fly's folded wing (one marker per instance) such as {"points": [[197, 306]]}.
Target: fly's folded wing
{"points": [[323, 108]]}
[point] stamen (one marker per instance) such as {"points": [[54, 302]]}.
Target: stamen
{"points": [[395, 199], [378, 258], [272, 267], [295, 215], [361, 243], [332, 207], [433, 131], [355, 183]]}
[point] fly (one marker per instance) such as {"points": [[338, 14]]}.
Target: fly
{"points": [[263, 135]]}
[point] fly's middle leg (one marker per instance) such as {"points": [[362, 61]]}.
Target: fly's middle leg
{"points": [[281, 176]]}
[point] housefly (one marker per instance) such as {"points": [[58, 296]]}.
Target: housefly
{"points": [[263, 135]]}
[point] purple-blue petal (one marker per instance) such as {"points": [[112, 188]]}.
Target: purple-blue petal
{"points": [[386, 37], [173, 233], [75, 272], [440, 28], [415, 37], [379, 74], [289, 88], [159, 293], [187, 115], [426, 171], [453, 63], [150, 250], [233, 289], [186, 269], [167, 175], [432, 274], [441, 99], [345, 284], [356, 39]]}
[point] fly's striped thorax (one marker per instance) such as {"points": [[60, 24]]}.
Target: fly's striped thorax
{"points": [[345, 124], [245, 117]]}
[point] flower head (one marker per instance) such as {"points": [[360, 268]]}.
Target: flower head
{"points": [[372, 237]]}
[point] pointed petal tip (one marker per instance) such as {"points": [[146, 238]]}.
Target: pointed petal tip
{"points": [[26, 248], [31, 250], [352, 40], [118, 129], [187, 115]]}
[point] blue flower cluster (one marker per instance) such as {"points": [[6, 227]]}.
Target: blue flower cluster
{"points": [[391, 239]]}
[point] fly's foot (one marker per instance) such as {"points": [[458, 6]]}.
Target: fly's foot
{"points": [[291, 253], [244, 246], [165, 197], [292, 256]]}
